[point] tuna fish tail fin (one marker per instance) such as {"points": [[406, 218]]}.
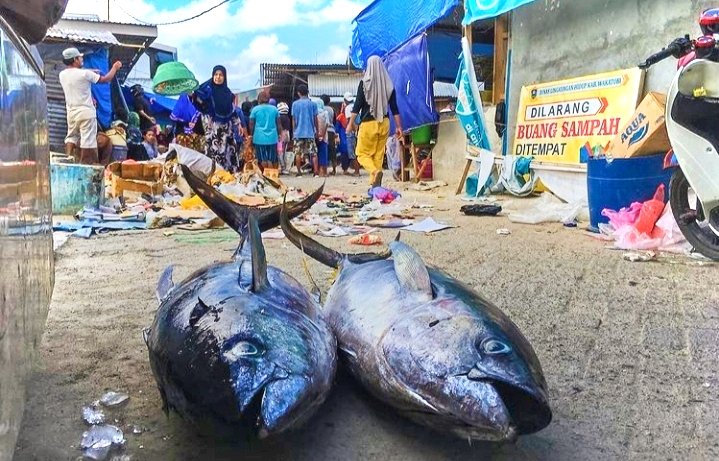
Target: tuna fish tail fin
{"points": [[259, 259], [410, 269], [319, 252], [235, 215]]}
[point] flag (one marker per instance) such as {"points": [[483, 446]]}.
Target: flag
{"points": [[469, 103]]}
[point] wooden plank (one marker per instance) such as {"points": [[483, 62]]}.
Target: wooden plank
{"points": [[460, 186], [501, 46]]}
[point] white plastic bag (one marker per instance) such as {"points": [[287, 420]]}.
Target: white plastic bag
{"points": [[548, 208]]}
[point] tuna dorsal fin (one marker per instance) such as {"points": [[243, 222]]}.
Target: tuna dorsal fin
{"points": [[198, 312], [259, 260], [410, 270], [165, 285]]}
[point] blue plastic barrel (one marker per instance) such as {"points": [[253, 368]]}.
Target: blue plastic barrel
{"points": [[618, 183]]}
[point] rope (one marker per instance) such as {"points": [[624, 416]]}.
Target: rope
{"points": [[173, 22]]}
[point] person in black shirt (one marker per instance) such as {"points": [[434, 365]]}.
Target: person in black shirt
{"points": [[147, 121], [375, 95]]}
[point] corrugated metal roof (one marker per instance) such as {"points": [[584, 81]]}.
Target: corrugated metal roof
{"points": [[96, 18], [82, 36], [333, 84]]}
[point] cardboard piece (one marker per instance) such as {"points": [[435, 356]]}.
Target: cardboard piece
{"points": [[135, 176], [646, 132]]}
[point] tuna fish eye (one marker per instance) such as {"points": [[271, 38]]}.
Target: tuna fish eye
{"points": [[494, 347], [243, 349]]}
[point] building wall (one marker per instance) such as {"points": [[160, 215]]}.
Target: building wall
{"points": [[448, 155], [557, 39]]}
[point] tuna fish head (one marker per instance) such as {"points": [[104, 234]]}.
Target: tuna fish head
{"points": [[464, 365], [275, 369]]}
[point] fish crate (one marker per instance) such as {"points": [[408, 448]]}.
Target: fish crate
{"points": [[145, 178]]}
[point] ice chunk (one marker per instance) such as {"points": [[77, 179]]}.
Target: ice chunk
{"points": [[99, 441], [113, 399], [92, 415]]}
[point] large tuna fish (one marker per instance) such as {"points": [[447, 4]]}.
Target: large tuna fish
{"points": [[240, 345], [430, 346]]}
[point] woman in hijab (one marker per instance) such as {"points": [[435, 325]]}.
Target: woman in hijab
{"points": [[216, 102], [375, 95]]}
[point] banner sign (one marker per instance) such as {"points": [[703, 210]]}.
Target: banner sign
{"points": [[564, 121]]}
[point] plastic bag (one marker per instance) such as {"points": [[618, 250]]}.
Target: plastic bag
{"points": [[197, 162], [383, 194], [481, 210], [366, 239], [623, 217], [548, 208]]}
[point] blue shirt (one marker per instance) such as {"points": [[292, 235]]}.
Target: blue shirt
{"points": [[304, 113], [150, 149], [265, 117]]}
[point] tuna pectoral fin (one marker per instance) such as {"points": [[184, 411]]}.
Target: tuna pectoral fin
{"points": [[165, 285], [411, 272]]}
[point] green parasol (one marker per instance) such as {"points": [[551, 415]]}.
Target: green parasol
{"points": [[174, 78]]}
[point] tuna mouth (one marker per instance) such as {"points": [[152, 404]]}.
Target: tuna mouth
{"points": [[528, 409], [277, 406]]}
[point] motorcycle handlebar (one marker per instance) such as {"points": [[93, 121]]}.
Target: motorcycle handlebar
{"points": [[660, 56]]}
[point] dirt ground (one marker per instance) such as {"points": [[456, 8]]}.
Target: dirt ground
{"points": [[628, 349]]}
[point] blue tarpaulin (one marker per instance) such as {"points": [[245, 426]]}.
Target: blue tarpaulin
{"points": [[98, 59], [386, 24], [408, 67], [444, 47], [157, 103], [483, 9]]}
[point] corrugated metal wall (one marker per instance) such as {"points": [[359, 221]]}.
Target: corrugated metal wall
{"points": [[57, 114]]}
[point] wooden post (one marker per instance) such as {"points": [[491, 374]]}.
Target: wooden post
{"points": [[501, 46]]}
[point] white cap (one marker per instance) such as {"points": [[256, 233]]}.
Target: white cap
{"points": [[71, 53], [348, 96]]}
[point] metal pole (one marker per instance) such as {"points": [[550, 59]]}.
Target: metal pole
{"points": [[108, 10]]}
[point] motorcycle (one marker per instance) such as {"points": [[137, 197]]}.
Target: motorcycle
{"points": [[692, 121]]}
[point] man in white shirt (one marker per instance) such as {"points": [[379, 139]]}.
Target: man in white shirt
{"points": [[81, 115]]}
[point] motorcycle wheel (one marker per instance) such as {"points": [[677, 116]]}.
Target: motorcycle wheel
{"points": [[691, 220]]}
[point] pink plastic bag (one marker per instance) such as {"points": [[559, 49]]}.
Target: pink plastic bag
{"points": [[623, 217]]}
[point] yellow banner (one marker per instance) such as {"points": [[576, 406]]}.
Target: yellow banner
{"points": [[563, 121]]}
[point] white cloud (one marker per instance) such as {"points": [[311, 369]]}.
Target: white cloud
{"points": [[335, 54], [221, 23], [246, 67], [225, 37]]}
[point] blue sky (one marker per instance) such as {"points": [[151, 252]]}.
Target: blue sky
{"points": [[242, 33]]}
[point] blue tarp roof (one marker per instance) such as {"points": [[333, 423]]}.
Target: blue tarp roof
{"points": [[157, 102], [408, 67], [444, 50], [385, 25]]}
